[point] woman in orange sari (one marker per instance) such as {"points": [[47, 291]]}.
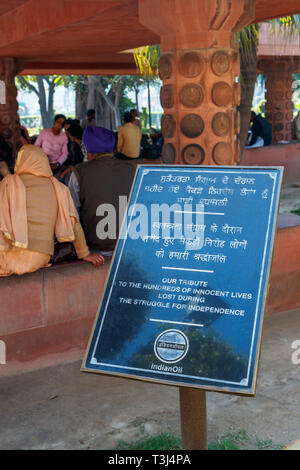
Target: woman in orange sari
{"points": [[35, 207]]}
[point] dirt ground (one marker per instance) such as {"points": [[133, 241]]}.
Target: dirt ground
{"points": [[62, 408]]}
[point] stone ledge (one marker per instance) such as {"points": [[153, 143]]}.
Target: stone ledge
{"points": [[286, 155], [36, 322]]}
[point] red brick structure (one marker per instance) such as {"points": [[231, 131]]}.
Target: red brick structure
{"points": [[278, 58], [199, 68], [9, 68]]}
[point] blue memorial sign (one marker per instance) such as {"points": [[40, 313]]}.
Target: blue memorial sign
{"points": [[185, 296]]}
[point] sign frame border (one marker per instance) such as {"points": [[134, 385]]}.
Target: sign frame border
{"points": [[257, 353]]}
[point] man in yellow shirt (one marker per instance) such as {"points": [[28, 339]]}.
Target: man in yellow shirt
{"points": [[129, 139]]}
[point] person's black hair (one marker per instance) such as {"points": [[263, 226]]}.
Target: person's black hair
{"points": [[5, 150], [75, 131], [90, 112], [69, 121], [59, 116], [127, 117]]}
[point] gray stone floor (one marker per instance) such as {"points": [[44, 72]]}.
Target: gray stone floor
{"points": [[62, 408]]}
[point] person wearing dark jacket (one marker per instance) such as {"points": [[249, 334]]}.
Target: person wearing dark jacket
{"points": [[260, 128], [96, 187]]}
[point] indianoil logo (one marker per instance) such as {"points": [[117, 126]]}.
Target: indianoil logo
{"points": [[171, 346]]}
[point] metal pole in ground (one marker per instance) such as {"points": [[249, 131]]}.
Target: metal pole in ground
{"points": [[193, 418]]}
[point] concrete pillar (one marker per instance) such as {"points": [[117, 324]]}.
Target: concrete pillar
{"points": [[279, 105], [199, 68], [9, 68]]}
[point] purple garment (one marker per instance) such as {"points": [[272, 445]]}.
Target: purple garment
{"points": [[98, 140]]}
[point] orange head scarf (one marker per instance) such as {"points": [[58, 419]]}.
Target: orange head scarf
{"points": [[31, 160]]}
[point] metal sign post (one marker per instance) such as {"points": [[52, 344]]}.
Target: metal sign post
{"points": [[193, 418]]}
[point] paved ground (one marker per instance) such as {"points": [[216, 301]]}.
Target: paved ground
{"points": [[63, 408]]}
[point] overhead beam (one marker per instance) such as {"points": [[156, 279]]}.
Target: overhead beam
{"points": [[268, 10], [36, 17], [73, 68]]}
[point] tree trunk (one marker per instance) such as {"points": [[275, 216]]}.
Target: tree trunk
{"points": [[43, 101], [136, 99], [248, 79], [149, 103], [91, 97], [51, 101], [46, 106], [111, 111], [80, 105]]}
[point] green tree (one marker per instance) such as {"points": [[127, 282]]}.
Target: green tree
{"points": [[107, 95], [44, 87]]}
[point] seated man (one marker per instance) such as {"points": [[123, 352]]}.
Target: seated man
{"points": [[296, 127], [129, 139], [54, 142], [261, 131], [96, 186]]}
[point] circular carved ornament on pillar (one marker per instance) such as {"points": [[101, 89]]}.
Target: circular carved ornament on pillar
{"points": [[168, 153], [5, 119], [278, 126], [278, 116], [165, 67], [193, 154], [278, 137], [6, 133], [221, 94], [168, 125], [220, 62], [221, 124], [190, 65], [167, 96], [222, 153], [191, 95], [192, 125]]}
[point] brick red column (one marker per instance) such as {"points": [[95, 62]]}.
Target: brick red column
{"points": [[199, 67], [9, 68], [279, 105]]}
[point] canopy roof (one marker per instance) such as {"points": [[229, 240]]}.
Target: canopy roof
{"points": [[87, 36]]}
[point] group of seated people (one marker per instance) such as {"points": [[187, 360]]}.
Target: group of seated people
{"points": [[53, 194]]}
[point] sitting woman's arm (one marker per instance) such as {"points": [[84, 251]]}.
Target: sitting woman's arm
{"points": [[82, 250]]}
